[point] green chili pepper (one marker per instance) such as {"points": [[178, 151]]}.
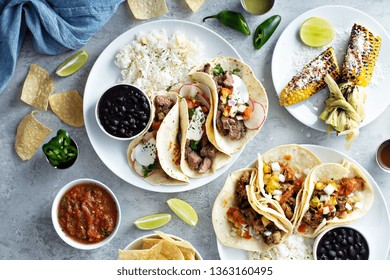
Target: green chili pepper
{"points": [[60, 149], [265, 30], [233, 20]]}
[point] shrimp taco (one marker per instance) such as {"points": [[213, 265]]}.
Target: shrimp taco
{"points": [[282, 171], [155, 155], [335, 194], [199, 157], [240, 102], [243, 223]]}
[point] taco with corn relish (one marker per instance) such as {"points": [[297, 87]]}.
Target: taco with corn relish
{"points": [[155, 155], [282, 171], [240, 102], [241, 222], [335, 194], [199, 157]]}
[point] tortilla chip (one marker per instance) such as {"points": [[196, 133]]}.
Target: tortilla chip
{"points": [[37, 87], [185, 247], [68, 106], [146, 9], [133, 254], [29, 136], [194, 4]]}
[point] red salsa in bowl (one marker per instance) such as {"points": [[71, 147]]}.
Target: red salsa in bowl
{"points": [[86, 213]]}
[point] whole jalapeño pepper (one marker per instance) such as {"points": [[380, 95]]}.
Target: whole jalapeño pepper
{"points": [[232, 19], [265, 30]]}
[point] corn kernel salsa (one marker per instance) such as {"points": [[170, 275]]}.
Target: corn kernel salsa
{"points": [[87, 213]]}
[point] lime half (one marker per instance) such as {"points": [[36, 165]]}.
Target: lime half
{"points": [[152, 221], [72, 64], [316, 32], [183, 210]]}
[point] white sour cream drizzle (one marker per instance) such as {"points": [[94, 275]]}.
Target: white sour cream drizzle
{"points": [[240, 91], [145, 154], [195, 131]]}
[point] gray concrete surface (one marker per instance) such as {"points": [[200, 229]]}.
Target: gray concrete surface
{"points": [[27, 189]]}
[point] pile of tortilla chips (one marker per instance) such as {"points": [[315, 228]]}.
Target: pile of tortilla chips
{"points": [[147, 9], [37, 92], [160, 247]]}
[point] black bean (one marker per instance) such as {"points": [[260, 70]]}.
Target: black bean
{"points": [[343, 232], [344, 242], [358, 257], [126, 123], [108, 103], [363, 252], [324, 257], [123, 109], [120, 99], [122, 131], [332, 253], [112, 128], [340, 254], [351, 252], [145, 105], [336, 247], [114, 122], [350, 240]]}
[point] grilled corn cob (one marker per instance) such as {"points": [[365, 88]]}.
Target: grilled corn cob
{"points": [[310, 79], [362, 53]]}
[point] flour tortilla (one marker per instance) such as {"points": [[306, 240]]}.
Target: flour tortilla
{"points": [[168, 171], [223, 227], [256, 93], [326, 172], [219, 161], [298, 158]]}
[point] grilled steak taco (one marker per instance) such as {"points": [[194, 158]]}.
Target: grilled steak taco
{"points": [[240, 222], [199, 157], [335, 194], [240, 102], [155, 155], [282, 171]]}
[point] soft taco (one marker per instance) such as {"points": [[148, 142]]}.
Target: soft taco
{"points": [[240, 102], [335, 194], [155, 155], [282, 171], [243, 223], [199, 157]]}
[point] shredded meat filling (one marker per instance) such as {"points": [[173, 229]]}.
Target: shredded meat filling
{"points": [[246, 220]]}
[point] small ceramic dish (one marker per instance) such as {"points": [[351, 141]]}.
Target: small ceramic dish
{"points": [[341, 243], [93, 197], [124, 112]]}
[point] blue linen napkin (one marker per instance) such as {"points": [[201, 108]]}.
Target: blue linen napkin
{"points": [[56, 26]]}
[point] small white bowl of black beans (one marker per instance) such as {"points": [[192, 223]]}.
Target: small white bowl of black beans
{"points": [[341, 243], [124, 112]]}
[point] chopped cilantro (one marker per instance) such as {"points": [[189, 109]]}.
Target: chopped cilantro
{"points": [[217, 70], [169, 88], [191, 112], [235, 70], [194, 145], [147, 169]]}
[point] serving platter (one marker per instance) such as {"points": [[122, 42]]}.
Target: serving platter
{"points": [[104, 74], [290, 55], [375, 225]]}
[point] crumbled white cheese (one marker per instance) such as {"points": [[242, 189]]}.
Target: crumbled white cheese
{"points": [[275, 167], [282, 178], [329, 189]]}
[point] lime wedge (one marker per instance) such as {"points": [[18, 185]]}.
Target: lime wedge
{"points": [[152, 221], [72, 64], [316, 32], [183, 210]]}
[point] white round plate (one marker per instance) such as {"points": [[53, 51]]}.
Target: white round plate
{"points": [[290, 55], [375, 225], [104, 73]]}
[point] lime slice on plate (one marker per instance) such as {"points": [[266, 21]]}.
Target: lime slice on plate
{"points": [[152, 221], [316, 32], [183, 210], [72, 64]]}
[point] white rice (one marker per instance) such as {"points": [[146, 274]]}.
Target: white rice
{"points": [[155, 61], [295, 247]]}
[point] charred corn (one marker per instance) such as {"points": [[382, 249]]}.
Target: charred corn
{"points": [[310, 79], [362, 53]]}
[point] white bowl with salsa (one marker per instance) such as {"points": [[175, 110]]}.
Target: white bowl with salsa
{"points": [[86, 214]]}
